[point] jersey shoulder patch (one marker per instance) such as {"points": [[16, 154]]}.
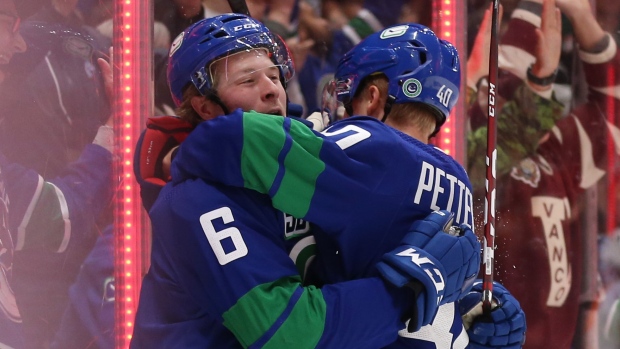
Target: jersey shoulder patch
{"points": [[527, 171]]}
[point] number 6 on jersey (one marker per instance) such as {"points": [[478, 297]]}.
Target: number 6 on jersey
{"points": [[216, 237]]}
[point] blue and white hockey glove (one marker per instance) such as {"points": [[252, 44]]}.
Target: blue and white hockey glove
{"points": [[438, 261], [507, 328]]}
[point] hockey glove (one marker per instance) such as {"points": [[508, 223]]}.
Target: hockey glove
{"points": [[161, 135], [437, 261], [506, 328]]}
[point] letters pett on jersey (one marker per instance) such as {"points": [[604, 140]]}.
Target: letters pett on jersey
{"points": [[361, 183]]}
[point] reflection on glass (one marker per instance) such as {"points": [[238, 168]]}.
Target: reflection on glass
{"points": [[56, 151], [557, 192], [557, 145], [558, 140]]}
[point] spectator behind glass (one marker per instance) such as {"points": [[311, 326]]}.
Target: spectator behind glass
{"points": [[51, 114], [11, 42], [546, 161], [58, 100], [177, 15], [63, 206]]}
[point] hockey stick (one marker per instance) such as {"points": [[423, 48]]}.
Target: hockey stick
{"points": [[489, 209], [239, 6]]}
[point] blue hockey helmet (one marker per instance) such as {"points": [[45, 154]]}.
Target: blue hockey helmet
{"points": [[193, 51], [419, 67]]}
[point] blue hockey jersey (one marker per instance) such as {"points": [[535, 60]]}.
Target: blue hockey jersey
{"points": [[361, 182], [63, 206], [221, 277], [357, 177]]}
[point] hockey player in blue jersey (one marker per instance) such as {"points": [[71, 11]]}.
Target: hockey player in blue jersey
{"points": [[220, 274], [344, 179]]}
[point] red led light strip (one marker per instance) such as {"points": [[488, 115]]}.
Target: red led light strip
{"points": [[613, 163], [450, 26], [133, 91]]}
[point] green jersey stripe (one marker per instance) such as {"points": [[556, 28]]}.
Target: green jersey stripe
{"points": [[258, 167], [47, 222], [265, 303], [302, 164], [302, 322]]}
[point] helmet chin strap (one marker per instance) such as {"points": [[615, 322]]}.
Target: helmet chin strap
{"points": [[387, 108], [440, 121], [212, 95]]}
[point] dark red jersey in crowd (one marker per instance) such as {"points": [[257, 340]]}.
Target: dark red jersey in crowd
{"points": [[539, 201]]}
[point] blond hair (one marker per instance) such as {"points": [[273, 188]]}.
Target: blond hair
{"points": [[186, 111], [419, 114]]}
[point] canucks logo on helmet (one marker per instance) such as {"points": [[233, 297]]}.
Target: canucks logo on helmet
{"points": [[176, 44], [394, 32], [412, 88]]}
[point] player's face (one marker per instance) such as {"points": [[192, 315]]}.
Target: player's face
{"points": [[249, 80], [11, 41]]}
